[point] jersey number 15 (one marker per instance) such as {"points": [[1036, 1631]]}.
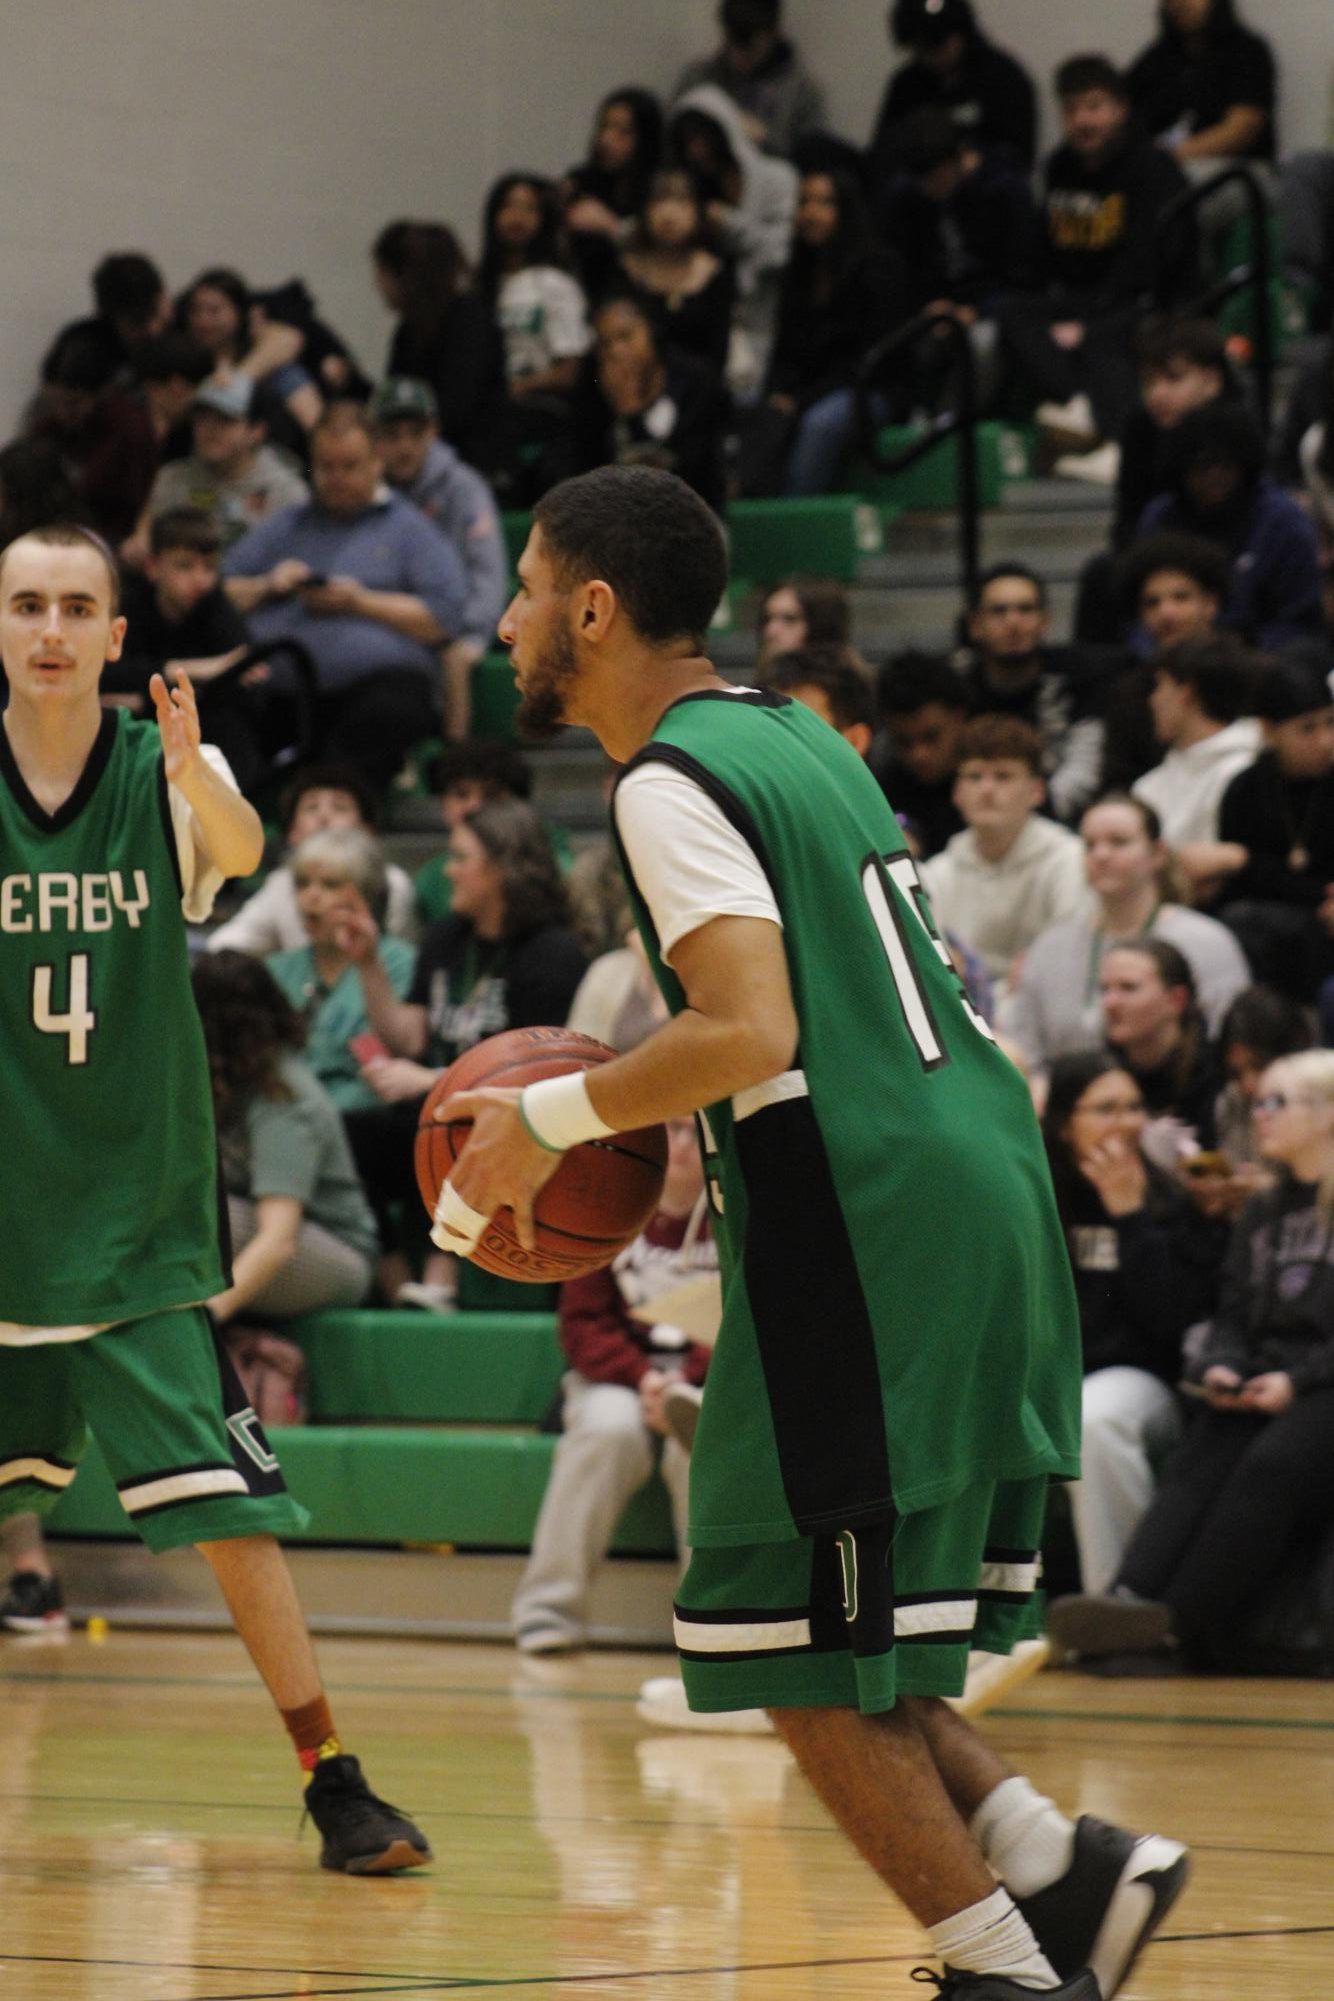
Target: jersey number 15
{"points": [[878, 871]]}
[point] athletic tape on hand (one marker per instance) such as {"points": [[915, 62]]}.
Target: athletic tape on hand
{"points": [[458, 1227]]}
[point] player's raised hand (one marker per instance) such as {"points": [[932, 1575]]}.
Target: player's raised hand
{"points": [[178, 721]]}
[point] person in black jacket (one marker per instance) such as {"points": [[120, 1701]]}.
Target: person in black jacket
{"points": [[1206, 88], [1154, 1027], [962, 220], [1276, 829], [1145, 1268], [1106, 187], [445, 335], [988, 94], [841, 292], [639, 402], [1256, 1471], [611, 185]]}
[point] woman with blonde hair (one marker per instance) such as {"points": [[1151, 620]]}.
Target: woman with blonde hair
{"points": [[1255, 1473]]}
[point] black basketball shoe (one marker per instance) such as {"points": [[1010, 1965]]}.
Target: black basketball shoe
{"points": [[363, 1835], [33, 1604], [1113, 1897], [956, 1986]]}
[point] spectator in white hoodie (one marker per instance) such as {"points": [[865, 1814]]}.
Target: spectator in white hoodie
{"points": [[1201, 704], [751, 202], [1010, 873]]}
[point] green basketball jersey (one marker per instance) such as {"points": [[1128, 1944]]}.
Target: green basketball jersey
{"points": [[899, 1316], [108, 1175]]}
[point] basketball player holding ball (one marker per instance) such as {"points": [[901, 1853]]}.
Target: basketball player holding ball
{"points": [[898, 1373], [111, 833]]}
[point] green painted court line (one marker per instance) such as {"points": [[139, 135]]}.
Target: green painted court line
{"points": [[1194, 1722]]}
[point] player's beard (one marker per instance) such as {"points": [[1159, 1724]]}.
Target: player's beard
{"points": [[542, 706]]}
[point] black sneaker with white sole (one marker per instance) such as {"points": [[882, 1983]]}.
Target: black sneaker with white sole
{"points": [[363, 1835], [955, 1986], [1104, 1910], [33, 1604]]}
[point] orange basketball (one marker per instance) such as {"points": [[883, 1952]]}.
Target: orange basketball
{"points": [[599, 1198]]}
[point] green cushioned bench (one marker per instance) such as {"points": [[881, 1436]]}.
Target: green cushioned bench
{"points": [[395, 1367], [1004, 453], [826, 536], [408, 1484]]}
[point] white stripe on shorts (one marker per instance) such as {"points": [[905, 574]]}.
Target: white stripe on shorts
{"points": [[43, 1471], [942, 1615], [697, 1636], [182, 1487], [1010, 1576]]}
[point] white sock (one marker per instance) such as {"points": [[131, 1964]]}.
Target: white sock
{"points": [[993, 1937], [1027, 1840]]}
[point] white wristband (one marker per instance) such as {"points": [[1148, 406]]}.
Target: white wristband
{"points": [[559, 1114], [458, 1226]]}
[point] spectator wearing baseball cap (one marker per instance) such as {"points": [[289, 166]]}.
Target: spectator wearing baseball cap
{"points": [[232, 475], [988, 94], [420, 466]]}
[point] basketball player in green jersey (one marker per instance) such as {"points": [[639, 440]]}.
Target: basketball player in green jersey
{"points": [[111, 831], [897, 1377]]}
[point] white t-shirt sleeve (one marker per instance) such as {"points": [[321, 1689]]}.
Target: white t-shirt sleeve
{"points": [[567, 329], [200, 879], [689, 862]]}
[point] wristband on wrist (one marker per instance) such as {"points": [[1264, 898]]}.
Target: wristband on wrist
{"points": [[559, 1114]]}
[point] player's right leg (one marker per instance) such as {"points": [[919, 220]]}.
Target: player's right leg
{"points": [[192, 1467]]}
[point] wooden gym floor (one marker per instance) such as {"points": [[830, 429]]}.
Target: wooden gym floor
{"points": [[149, 1848]]}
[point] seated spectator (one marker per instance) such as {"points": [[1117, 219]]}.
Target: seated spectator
{"points": [[1012, 671], [428, 472], [131, 305], [803, 611], [320, 978], [1205, 89], [965, 226], [1183, 366], [34, 487], [1258, 1028], [367, 585], [1276, 831], [609, 187], [1152, 1023], [1255, 1472], [1219, 489], [751, 205], [465, 776], [1105, 190], [320, 797], [1315, 454], [178, 615], [764, 75], [1054, 1007], [104, 435], [833, 681], [302, 1234], [169, 369], [1202, 702], [613, 1432], [668, 263], [505, 957], [231, 473], [640, 403], [220, 312], [840, 293], [541, 312], [1145, 1268], [445, 335], [1172, 589], [951, 63], [923, 707], [1011, 872]]}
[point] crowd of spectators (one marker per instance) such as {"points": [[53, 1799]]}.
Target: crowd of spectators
{"points": [[1126, 832]]}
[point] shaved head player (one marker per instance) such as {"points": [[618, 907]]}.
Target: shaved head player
{"points": [[112, 833], [898, 1373]]}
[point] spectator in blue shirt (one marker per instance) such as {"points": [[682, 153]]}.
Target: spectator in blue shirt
{"points": [[425, 470], [367, 585]]}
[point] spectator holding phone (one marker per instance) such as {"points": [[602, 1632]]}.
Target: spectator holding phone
{"points": [[1145, 1268], [1257, 1469]]}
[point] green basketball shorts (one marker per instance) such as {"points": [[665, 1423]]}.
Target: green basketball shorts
{"points": [[161, 1398], [855, 1620]]}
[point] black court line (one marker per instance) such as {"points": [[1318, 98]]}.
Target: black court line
{"points": [[1208, 1938], [1158, 1722], [213, 1966]]}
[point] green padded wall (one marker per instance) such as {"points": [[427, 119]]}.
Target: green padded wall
{"points": [[397, 1367]]}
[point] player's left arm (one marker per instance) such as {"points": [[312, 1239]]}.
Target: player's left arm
{"points": [[231, 833], [738, 1029]]}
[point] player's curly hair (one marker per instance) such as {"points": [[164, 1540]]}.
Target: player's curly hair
{"points": [[248, 1025]]}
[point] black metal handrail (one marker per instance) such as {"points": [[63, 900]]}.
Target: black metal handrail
{"points": [[1253, 277], [960, 422], [304, 689]]}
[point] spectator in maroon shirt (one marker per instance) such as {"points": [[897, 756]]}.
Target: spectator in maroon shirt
{"points": [[107, 439]]}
